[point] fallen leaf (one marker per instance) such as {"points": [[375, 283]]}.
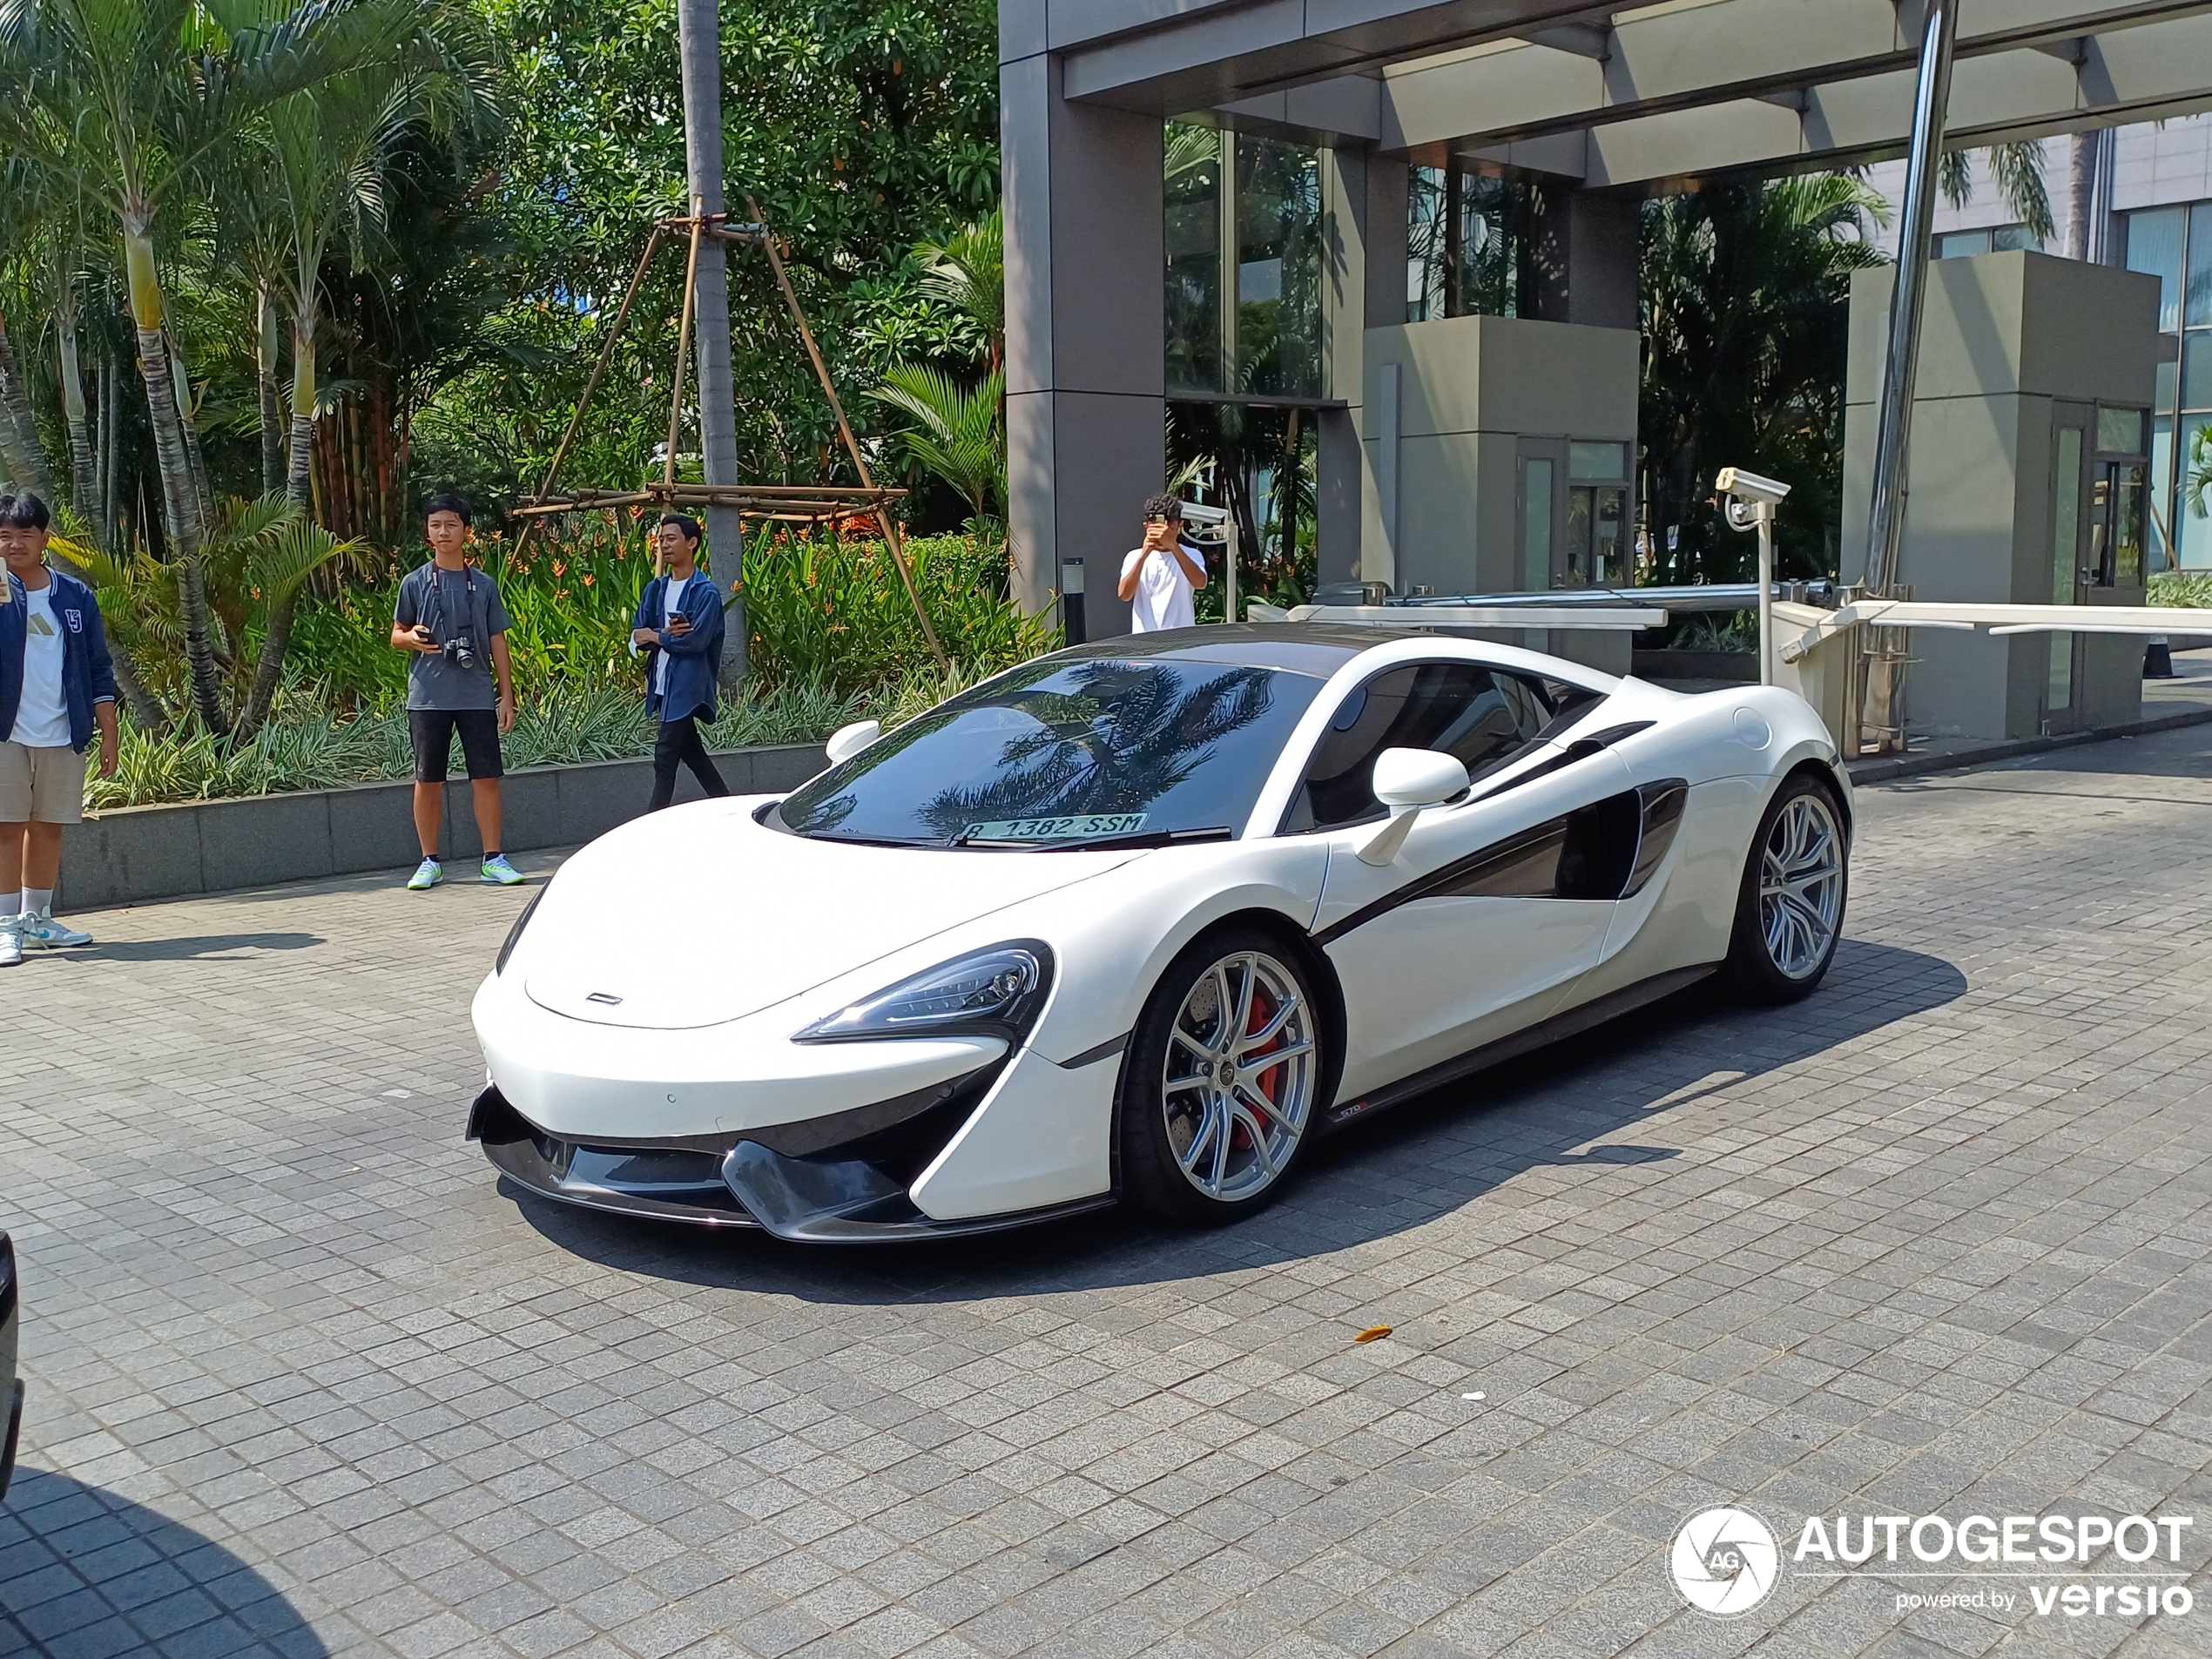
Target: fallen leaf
{"points": [[1372, 1333]]}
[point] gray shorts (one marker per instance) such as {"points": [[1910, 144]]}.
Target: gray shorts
{"points": [[45, 784]]}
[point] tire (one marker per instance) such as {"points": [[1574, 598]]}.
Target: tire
{"points": [[1790, 908], [1194, 1149]]}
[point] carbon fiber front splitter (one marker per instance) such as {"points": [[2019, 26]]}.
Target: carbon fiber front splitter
{"points": [[853, 1193]]}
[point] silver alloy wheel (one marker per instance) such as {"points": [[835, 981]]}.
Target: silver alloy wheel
{"points": [[1238, 1080], [1801, 885]]}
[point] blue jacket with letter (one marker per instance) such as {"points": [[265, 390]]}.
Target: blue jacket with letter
{"points": [[694, 659], [88, 673]]}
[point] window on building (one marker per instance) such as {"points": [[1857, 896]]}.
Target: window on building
{"points": [[2000, 238], [2174, 244], [1279, 268], [2117, 530], [1597, 515], [1193, 192], [1478, 271], [1243, 264]]}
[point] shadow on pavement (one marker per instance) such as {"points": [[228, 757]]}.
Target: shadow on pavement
{"points": [[82, 1571], [190, 950], [1430, 1157]]}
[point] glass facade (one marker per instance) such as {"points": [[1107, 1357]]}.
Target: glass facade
{"points": [[2174, 244], [1477, 271], [1193, 192], [1999, 239], [1244, 265]]}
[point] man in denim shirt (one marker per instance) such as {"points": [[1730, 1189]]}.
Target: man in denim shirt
{"points": [[678, 625]]}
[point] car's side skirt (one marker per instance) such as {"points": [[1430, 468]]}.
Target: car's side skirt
{"points": [[1541, 1035]]}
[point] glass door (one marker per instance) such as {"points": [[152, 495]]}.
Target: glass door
{"points": [[1597, 515], [2118, 544], [1539, 517]]}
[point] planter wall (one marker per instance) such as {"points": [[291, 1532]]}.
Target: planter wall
{"points": [[139, 853]]}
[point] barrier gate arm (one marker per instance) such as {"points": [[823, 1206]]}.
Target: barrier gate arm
{"points": [[1999, 619]]}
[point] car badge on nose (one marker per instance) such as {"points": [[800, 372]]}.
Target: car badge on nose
{"points": [[607, 997]]}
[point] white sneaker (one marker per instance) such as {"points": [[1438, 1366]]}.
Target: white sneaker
{"points": [[38, 930], [11, 942]]}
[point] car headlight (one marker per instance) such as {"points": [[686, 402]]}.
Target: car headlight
{"points": [[996, 992], [514, 933]]}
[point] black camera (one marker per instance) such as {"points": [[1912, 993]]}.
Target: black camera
{"points": [[460, 651]]}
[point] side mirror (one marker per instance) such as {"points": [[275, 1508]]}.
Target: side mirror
{"points": [[848, 740], [1405, 781], [1417, 778]]}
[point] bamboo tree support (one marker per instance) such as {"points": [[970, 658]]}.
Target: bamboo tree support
{"points": [[891, 540], [797, 503], [683, 365], [590, 385]]}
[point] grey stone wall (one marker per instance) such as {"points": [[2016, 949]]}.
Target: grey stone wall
{"points": [[140, 853]]}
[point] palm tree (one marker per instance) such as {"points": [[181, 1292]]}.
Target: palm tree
{"points": [[1746, 321], [967, 271], [2017, 171], [327, 151], [259, 555], [26, 201], [960, 433], [134, 102]]}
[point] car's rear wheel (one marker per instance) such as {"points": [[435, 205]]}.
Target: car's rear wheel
{"points": [[1222, 1085], [1789, 910]]}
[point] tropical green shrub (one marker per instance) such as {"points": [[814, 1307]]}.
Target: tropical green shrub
{"points": [[304, 747], [835, 613], [2191, 590], [821, 611]]}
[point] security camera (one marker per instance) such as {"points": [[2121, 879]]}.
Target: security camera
{"points": [[1748, 486]]}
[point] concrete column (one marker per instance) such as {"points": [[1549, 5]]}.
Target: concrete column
{"points": [[1388, 182], [1085, 325], [1348, 276], [1583, 258]]}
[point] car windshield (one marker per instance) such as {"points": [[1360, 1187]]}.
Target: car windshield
{"points": [[1067, 753]]}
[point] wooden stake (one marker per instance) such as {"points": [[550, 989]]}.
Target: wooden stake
{"points": [[598, 370], [891, 540], [683, 361]]}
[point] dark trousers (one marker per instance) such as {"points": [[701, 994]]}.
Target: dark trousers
{"points": [[679, 743]]}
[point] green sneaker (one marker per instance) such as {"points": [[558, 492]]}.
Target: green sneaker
{"points": [[427, 874], [499, 872]]}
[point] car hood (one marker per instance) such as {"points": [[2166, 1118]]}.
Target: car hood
{"points": [[699, 914]]}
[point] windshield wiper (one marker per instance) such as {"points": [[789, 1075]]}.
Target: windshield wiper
{"points": [[1136, 839]]}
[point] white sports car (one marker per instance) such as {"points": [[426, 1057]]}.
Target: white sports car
{"points": [[1143, 918]]}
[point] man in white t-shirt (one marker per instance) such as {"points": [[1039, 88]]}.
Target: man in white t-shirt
{"points": [[1159, 577], [56, 690]]}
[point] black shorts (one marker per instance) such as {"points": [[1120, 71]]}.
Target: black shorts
{"points": [[432, 730]]}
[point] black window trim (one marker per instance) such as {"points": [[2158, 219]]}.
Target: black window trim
{"points": [[1474, 791]]}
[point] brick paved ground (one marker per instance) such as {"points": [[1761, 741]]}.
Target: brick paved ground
{"points": [[305, 1381]]}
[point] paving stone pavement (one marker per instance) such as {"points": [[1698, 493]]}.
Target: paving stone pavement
{"points": [[305, 1381]]}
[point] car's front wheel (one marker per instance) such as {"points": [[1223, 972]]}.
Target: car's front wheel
{"points": [[1222, 1083], [1789, 911]]}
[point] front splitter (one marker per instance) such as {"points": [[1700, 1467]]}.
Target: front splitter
{"points": [[818, 1199]]}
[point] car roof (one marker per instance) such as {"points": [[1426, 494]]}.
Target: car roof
{"points": [[1317, 649]]}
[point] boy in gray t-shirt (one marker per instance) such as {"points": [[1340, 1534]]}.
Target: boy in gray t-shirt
{"points": [[450, 615]]}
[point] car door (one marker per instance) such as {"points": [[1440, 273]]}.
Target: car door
{"points": [[1494, 904]]}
